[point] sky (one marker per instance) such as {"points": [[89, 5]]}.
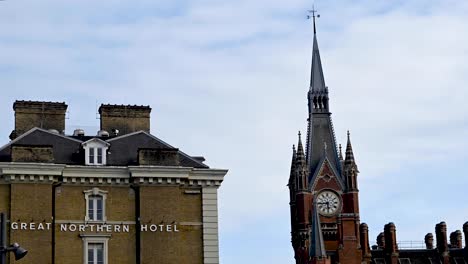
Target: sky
{"points": [[228, 80]]}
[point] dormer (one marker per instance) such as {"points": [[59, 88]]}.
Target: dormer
{"points": [[95, 151]]}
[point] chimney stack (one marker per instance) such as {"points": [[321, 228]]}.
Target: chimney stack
{"points": [[442, 245], [381, 240], [456, 239], [124, 119], [366, 253], [46, 115], [391, 247], [465, 231], [429, 240]]}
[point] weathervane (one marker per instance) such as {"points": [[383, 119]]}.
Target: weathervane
{"points": [[314, 14]]}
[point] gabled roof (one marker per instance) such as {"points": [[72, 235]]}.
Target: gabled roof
{"points": [[143, 139], [319, 168], [32, 130], [97, 140], [124, 149], [321, 132], [65, 149]]}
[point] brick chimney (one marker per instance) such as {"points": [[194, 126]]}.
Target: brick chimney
{"points": [[124, 119], [366, 253], [46, 115], [391, 247], [442, 245], [456, 239], [381, 240], [465, 231], [429, 241]]}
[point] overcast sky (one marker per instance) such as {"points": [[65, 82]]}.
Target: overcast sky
{"points": [[227, 79]]}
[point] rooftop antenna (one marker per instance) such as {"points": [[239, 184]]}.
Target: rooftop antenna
{"points": [[97, 111], [314, 13]]}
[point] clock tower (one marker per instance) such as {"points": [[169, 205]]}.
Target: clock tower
{"points": [[324, 200]]}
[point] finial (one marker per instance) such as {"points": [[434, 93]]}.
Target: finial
{"points": [[348, 134], [294, 147], [314, 14], [299, 143], [325, 146]]}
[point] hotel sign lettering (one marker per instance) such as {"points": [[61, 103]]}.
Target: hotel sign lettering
{"points": [[95, 227]]}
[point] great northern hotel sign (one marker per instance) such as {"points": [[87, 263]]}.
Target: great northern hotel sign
{"points": [[95, 227]]}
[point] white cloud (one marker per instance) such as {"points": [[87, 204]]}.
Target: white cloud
{"points": [[228, 80]]}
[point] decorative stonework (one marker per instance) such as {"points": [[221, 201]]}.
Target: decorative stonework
{"points": [[96, 192], [210, 225]]}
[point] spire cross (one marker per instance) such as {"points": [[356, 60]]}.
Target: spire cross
{"points": [[314, 14]]}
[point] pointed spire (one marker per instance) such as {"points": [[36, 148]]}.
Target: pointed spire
{"points": [[317, 81], [294, 153], [293, 166], [301, 167], [300, 149], [317, 245], [313, 15], [349, 158]]}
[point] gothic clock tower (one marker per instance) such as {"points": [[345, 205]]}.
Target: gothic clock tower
{"points": [[323, 185]]}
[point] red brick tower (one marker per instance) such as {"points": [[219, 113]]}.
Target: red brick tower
{"points": [[323, 186]]}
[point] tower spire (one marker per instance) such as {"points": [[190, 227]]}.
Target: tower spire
{"points": [[300, 149], [317, 244], [301, 166], [313, 12], [320, 127], [349, 158], [293, 168], [317, 81]]}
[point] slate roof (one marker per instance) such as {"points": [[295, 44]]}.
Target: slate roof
{"points": [[68, 150]]}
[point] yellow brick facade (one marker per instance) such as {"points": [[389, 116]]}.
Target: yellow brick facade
{"points": [[170, 227]]}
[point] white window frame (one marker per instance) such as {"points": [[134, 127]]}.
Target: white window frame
{"points": [[95, 239], [95, 144], [88, 195]]}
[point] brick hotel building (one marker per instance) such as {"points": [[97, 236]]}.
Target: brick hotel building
{"points": [[119, 196]]}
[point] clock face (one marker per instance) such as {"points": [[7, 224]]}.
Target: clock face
{"points": [[328, 203]]}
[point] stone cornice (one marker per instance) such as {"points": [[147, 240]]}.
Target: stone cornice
{"points": [[159, 171], [177, 175], [95, 175], [30, 172], [95, 172], [18, 168], [75, 174]]}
